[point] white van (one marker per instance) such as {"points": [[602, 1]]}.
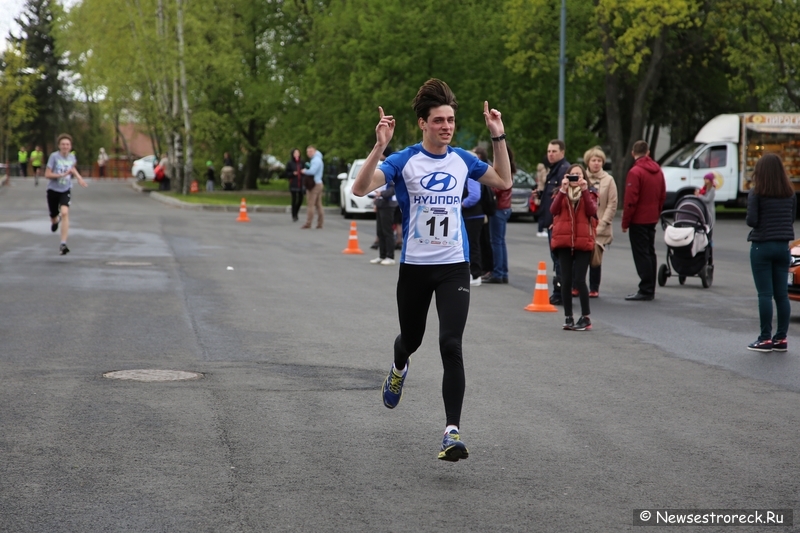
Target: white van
{"points": [[729, 146]]}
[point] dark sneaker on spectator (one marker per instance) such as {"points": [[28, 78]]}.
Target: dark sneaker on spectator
{"points": [[583, 324], [555, 299], [761, 346], [569, 323], [493, 279], [779, 345]]}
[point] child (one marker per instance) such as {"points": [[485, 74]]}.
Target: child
{"points": [[707, 193]]}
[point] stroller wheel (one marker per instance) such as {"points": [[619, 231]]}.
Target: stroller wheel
{"points": [[707, 275], [681, 279], [663, 274]]}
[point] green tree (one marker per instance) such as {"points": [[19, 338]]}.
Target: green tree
{"points": [[36, 25], [17, 103], [760, 39]]}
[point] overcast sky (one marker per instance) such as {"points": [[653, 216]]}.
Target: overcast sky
{"points": [[9, 10]]}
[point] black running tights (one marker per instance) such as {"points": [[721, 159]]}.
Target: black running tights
{"points": [[415, 287]]}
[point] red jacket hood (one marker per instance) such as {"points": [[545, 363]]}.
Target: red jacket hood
{"points": [[647, 164]]}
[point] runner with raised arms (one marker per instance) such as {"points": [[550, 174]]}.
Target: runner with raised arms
{"points": [[429, 178]]}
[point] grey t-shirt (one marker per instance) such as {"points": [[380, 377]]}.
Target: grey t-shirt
{"points": [[59, 164]]}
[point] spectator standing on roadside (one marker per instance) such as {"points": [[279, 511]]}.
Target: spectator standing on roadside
{"points": [[209, 176], [489, 202], [61, 167], [559, 165], [541, 178], [472, 213], [645, 192], [497, 228], [771, 210], [385, 205], [164, 184], [37, 160], [572, 238], [603, 184], [102, 159], [315, 168], [294, 173], [22, 158]]}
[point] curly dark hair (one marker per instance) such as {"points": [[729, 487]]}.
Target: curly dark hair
{"points": [[433, 93]]}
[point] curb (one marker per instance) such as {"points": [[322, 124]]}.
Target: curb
{"points": [[173, 202]]}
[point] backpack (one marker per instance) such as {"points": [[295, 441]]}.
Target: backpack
{"points": [[488, 200]]}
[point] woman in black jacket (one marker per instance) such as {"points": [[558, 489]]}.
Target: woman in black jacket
{"points": [[294, 173], [771, 207]]}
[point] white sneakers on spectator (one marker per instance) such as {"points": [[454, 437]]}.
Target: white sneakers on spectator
{"points": [[388, 261], [376, 260], [541, 234], [475, 282]]}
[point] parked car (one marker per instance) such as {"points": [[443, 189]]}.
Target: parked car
{"points": [[794, 271], [349, 203], [524, 183], [143, 169]]}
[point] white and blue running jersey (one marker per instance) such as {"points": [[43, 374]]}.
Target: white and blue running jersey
{"points": [[429, 189]]}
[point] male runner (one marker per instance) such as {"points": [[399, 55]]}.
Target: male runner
{"points": [[60, 169], [429, 178], [37, 157]]}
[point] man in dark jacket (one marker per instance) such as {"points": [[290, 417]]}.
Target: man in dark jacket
{"points": [[645, 192], [558, 168]]}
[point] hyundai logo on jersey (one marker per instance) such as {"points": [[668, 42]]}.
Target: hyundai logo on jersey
{"points": [[439, 182]]}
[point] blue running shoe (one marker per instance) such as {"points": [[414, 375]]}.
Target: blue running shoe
{"points": [[393, 388], [452, 447]]}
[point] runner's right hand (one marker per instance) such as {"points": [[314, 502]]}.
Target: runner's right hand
{"points": [[384, 131]]}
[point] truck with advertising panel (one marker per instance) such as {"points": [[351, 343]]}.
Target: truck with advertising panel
{"points": [[729, 146]]}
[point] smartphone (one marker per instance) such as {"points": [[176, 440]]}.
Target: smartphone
{"points": [[573, 177]]}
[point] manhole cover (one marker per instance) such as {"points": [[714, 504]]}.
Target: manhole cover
{"points": [[129, 264], [150, 374]]}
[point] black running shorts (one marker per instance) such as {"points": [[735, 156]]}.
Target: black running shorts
{"points": [[55, 200]]}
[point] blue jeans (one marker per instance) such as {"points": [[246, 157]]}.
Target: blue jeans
{"points": [[769, 261], [497, 231]]}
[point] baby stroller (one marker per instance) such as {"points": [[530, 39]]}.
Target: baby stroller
{"points": [[687, 234]]}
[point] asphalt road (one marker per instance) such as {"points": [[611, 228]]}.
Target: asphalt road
{"points": [[660, 406]]}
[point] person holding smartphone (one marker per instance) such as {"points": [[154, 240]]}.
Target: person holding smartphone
{"points": [[574, 210]]}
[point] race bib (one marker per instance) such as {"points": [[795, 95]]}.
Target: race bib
{"points": [[437, 226]]}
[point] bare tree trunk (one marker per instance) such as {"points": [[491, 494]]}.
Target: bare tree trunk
{"points": [[613, 117], [646, 85], [187, 123]]}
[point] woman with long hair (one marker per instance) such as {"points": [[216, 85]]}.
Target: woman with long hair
{"points": [[294, 172], [771, 208], [574, 210]]}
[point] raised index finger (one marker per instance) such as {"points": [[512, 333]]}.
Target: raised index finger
{"points": [[485, 107], [380, 110]]}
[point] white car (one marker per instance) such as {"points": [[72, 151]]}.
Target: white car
{"points": [[143, 169], [349, 203]]}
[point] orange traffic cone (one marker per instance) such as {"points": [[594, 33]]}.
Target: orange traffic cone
{"points": [[243, 212], [541, 295], [352, 243], [194, 187]]}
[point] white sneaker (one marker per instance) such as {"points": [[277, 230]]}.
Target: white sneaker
{"points": [[388, 261], [376, 260], [541, 234], [475, 282]]}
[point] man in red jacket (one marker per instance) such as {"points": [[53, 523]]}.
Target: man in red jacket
{"points": [[645, 192]]}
